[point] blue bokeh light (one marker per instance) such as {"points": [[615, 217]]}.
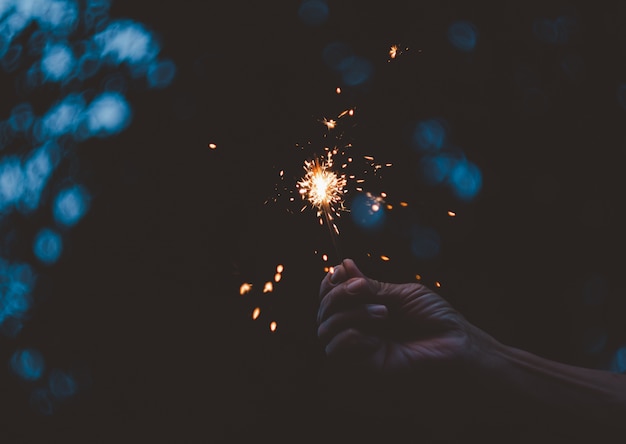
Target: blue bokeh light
{"points": [[70, 205], [618, 361], [28, 364], [108, 114], [356, 70], [429, 135], [313, 12], [463, 36], [16, 284], [22, 117], [11, 182], [367, 213], [63, 118], [425, 243], [434, 169], [48, 246], [12, 57], [557, 31], [336, 55], [62, 385], [465, 179], [41, 401], [58, 62], [161, 73], [126, 41], [37, 170]]}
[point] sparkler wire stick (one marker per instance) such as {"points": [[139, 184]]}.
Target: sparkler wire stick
{"points": [[324, 189], [333, 231]]}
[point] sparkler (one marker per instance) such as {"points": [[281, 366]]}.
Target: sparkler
{"points": [[324, 189]]}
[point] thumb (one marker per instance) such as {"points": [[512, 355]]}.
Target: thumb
{"points": [[351, 269]]}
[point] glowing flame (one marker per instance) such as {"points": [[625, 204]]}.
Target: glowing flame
{"points": [[322, 187], [385, 258], [277, 277], [279, 268], [330, 124], [393, 51], [245, 288], [418, 277], [212, 146], [268, 287], [438, 284], [255, 313], [451, 213], [338, 90], [273, 326]]}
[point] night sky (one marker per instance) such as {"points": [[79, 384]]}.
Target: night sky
{"points": [[144, 308]]}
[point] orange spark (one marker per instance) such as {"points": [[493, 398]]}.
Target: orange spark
{"points": [[268, 287], [273, 326], [255, 313], [245, 288]]}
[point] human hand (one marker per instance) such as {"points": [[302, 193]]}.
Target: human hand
{"points": [[394, 328]]}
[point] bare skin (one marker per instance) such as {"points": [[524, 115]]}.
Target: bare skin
{"points": [[405, 331]]}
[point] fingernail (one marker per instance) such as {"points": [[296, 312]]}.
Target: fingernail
{"points": [[379, 311], [355, 285], [335, 276]]}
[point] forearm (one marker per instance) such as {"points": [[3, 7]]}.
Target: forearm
{"points": [[572, 393]]}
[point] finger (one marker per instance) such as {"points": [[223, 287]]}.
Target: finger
{"points": [[352, 343], [351, 269], [355, 291], [366, 317], [335, 276]]}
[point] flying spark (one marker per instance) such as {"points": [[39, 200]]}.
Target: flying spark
{"points": [[395, 51], [324, 190]]}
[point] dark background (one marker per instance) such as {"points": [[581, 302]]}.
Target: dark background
{"points": [[146, 300]]}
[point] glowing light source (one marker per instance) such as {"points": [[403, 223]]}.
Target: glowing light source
{"points": [[268, 287], [255, 313], [463, 36], [245, 288], [70, 205], [108, 114], [28, 364], [212, 146], [273, 326], [126, 41], [48, 246], [58, 61], [313, 12], [324, 190]]}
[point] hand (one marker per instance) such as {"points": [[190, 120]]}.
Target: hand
{"points": [[394, 328]]}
